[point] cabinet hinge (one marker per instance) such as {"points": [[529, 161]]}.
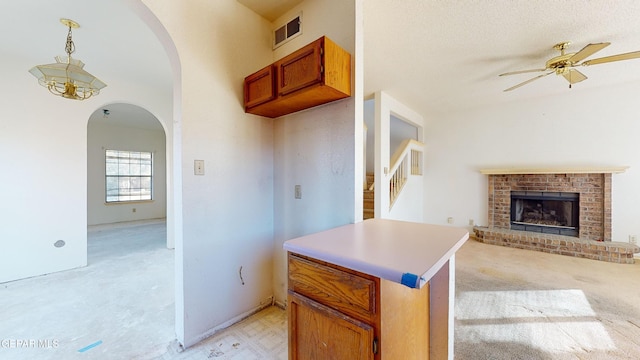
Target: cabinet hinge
{"points": [[375, 346], [321, 69]]}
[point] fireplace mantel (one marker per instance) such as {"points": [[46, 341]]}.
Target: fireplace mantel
{"points": [[575, 170]]}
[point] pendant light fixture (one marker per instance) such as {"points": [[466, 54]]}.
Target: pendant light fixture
{"points": [[66, 77]]}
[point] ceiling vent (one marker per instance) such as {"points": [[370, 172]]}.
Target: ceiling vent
{"points": [[288, 31]]}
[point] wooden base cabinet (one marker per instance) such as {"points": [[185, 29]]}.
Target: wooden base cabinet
{"points": [[320, 332], [337, 313]]}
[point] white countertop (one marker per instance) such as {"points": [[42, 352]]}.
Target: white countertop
{"points": [[398, 251]]}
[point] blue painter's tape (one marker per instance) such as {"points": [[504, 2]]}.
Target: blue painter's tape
{"points": [[91, 346], [410, 280]]}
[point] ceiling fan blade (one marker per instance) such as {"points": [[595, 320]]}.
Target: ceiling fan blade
{"points": [[574, 76], [522, 72], [606, 59], [528, 81], [588, 51]]}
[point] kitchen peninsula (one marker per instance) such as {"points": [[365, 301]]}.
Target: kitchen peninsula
{"points": [[377, 289]]}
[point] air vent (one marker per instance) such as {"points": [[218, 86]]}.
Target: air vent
{"points": [[287, 31]]}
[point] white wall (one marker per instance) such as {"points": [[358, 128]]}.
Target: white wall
{"points": [[43, 178], [315, 148], [370, 122], [399, 131], [228, 212], [103, 136], [582, 128], [408, 206]]}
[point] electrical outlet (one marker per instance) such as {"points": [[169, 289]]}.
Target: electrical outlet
{"points": [[471, 222], [298, 192], [198, 167], [633, 239], [450, 220], [133, 210]]}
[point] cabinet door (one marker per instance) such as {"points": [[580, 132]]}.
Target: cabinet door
{"points": [[317, 332], [301, 69], [259, 87], [348, 293]]}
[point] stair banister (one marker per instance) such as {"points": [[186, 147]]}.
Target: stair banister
{"points": [[407, 160]]}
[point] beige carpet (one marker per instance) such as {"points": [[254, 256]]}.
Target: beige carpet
{"points": [[521, 304]]}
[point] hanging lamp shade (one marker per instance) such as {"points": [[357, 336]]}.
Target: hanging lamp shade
{"points": [[66, 77]]}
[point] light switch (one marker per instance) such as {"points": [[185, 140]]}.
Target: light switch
{"points": [[198, 167]]}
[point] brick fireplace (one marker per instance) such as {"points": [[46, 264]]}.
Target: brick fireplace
{"points": [[594, 198], [588, 236]]}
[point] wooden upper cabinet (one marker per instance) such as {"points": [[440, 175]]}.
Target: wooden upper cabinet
{"points": [[315, 74], [301, 69], [259, 87]]}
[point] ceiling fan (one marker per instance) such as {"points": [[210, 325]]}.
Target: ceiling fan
{"points": [[566, 64]]}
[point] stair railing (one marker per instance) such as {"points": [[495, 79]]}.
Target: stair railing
{"points": [[407, 160]]}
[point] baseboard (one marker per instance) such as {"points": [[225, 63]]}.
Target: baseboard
{"points": [[281, 304], [190, 342]]}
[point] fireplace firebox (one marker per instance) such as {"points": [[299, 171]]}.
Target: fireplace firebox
{"points": [[545, 212]]}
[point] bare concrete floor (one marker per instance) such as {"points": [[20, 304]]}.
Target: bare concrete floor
{"points": [[120, 306], [511, 304]]}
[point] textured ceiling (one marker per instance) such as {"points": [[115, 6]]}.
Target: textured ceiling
{"points": [[270, 9], [436, 56], [441, 56]]}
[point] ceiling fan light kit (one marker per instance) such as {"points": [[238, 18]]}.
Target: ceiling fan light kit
{"points": [[565, 64], [66, 77]]}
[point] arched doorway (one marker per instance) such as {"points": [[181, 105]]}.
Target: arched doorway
{"points": [[126, 165]]}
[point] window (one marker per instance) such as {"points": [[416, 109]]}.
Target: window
{"points": [[128, 175]]}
